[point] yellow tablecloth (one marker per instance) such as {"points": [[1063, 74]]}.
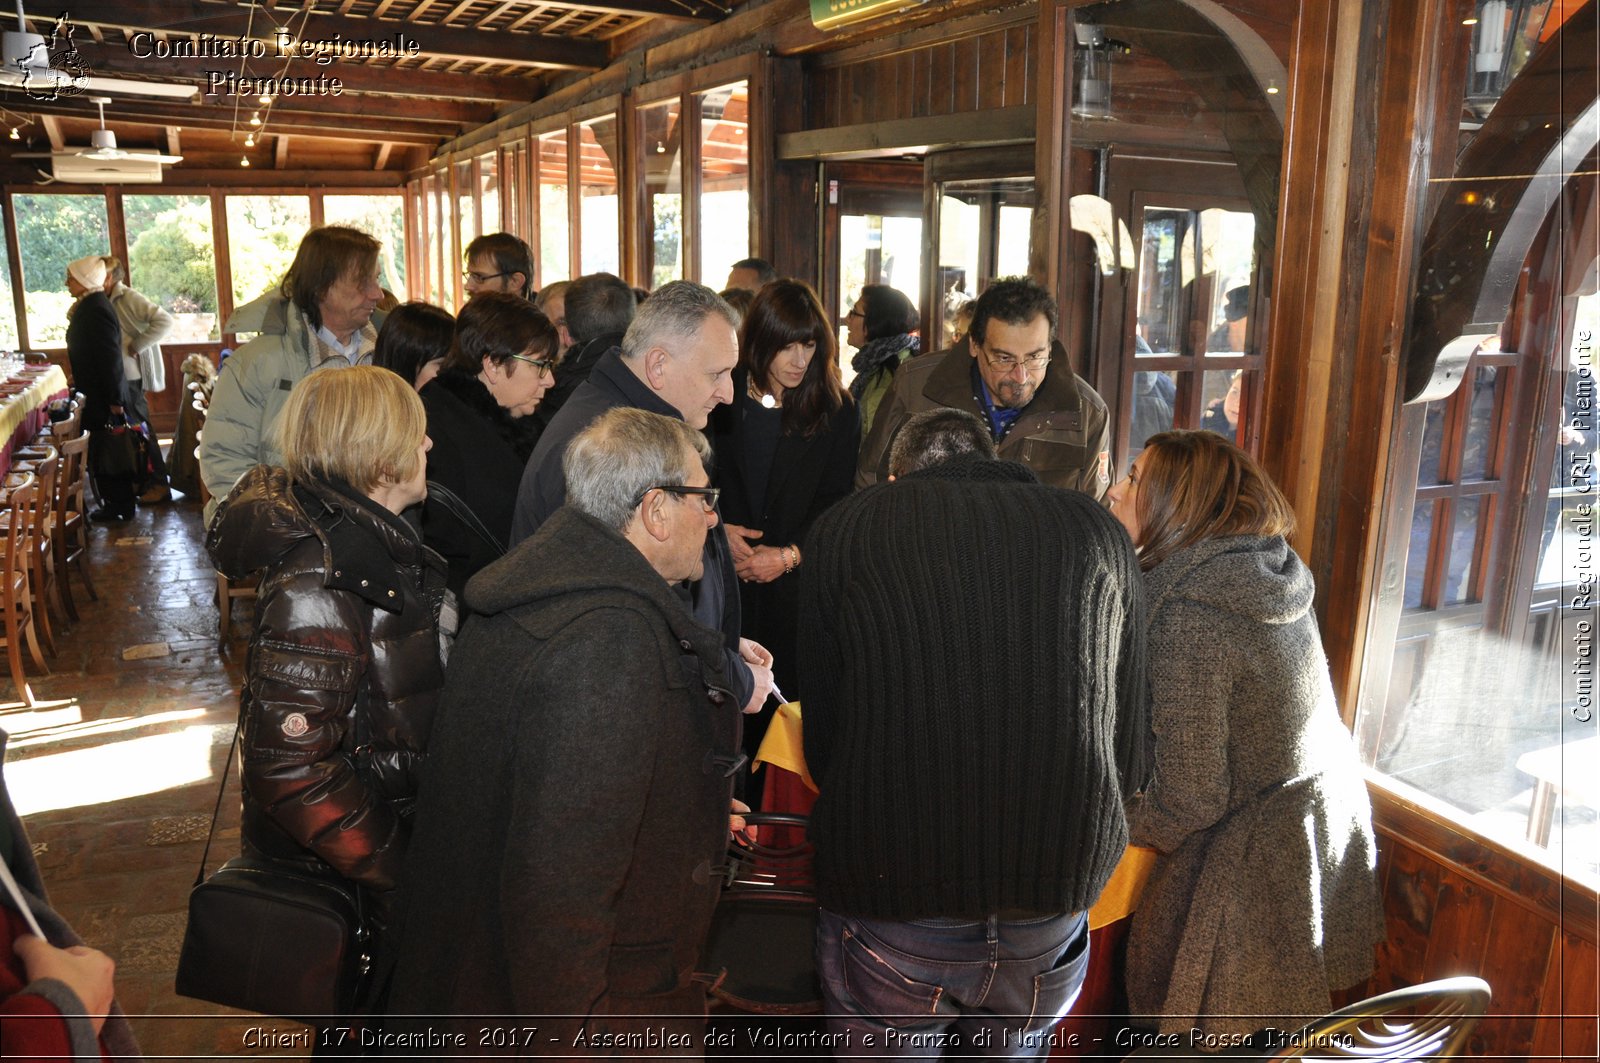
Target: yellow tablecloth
{"points": [[783, 747], [18, 406]]}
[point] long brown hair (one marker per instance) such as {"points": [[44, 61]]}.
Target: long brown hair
{"points": [[785, 312], [1196, 485]]}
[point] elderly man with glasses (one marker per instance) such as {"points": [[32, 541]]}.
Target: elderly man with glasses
{"points": [[565, 863], [1011, 372]]}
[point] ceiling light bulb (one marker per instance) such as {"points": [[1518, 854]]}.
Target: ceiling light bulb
{"points": [[1473, 21], [661, 149], [255, 119], [243, 161], [250, 141], [14, 134], [1272, 89], [265, 100]]}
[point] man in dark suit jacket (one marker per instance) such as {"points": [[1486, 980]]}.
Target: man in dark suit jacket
{"points": [[94, 350]]}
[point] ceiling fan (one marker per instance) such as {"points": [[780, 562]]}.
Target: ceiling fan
{"points": [[103, 145]]}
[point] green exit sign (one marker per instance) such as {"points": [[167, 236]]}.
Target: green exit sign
{"points": [[828, 14]]}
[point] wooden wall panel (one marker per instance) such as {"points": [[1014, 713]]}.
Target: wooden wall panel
{"points": [[1443, 920], [979, 72]]}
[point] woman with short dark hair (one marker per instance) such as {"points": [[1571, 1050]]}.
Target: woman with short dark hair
{"points": [[500, 364], [414, 340], [882, 326], [785, 451], [1264, 898]]}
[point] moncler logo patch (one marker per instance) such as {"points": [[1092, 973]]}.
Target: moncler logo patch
{"points": [[296, 725]]}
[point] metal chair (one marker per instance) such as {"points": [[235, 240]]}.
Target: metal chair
{"points": [[1428, 1021], [759, 956]]}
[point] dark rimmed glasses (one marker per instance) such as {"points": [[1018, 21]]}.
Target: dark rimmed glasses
{"points": [[1007, 362], [543, 365], [708, 495], [472, 277]]}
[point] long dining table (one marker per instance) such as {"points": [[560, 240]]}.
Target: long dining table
{"points": [[26, 392]]}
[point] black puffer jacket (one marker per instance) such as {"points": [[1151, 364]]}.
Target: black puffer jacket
{"points": [[343, 674]]}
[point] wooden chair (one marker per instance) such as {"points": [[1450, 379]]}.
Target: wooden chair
{"points": [[69, 531], [17, 619], [42, 590], [1428, 1021], [227, 591]]}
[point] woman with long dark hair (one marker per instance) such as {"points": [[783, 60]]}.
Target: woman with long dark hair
{"points": [[1264, 898], [785, 451], [882, 327], [414, 340], [501, 362]]}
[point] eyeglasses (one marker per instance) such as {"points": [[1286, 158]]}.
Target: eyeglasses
{"points": [[708, 495], [1007, 362], [543, 365], [481, 278], [856, 313]]}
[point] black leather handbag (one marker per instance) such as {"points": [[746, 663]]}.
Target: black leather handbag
{"points": [[272, 938]]}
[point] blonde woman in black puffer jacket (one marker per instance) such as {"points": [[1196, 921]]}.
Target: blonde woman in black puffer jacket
{"points": [[344, 671]]}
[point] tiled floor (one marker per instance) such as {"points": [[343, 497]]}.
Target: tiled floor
{"points": [[116, 770]]}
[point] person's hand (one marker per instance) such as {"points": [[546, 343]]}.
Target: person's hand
{"points": [[765, 564], [87, 972], [739, 541], [1570, 435], [737, 828], [760, 661]]}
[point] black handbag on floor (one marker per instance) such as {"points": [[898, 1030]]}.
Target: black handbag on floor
{"points": [[272, 938]]}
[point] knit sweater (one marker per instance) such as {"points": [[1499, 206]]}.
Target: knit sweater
{"points": [[971, 643]]}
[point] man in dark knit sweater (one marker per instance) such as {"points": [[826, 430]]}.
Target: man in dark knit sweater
{"points": [[974, 718]]}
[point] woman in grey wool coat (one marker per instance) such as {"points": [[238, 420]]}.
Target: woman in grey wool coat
{"points": [[1264, 898]]}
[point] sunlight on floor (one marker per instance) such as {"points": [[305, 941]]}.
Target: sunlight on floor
{"points": [[70, 727], [114, 772]]}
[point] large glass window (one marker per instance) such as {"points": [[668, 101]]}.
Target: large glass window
{"points": [[263, 234], [1485, 699], [661, 162], [599, 219], [984, 229], [724, 180], [1193, 363], [171, 260], [555, 254], [10, 339], [384, 217], [53, 230], [466, 207], [489, 192]]}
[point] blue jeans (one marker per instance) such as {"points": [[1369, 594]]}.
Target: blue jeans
{"points": [[920, 988]]}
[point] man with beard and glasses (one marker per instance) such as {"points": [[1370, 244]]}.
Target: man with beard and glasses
{"points": [[1012, 373]]}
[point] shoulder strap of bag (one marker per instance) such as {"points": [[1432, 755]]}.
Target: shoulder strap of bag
{"points": [[233, 749], [463, 512]]}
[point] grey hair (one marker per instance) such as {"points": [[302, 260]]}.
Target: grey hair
{"points": [[623, 454], [938, 435], [674, 313]]}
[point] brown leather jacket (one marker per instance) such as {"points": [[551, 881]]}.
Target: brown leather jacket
{"points": [[343, 673], [1063, 435]]}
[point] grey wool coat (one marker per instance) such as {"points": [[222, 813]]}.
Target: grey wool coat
{"points": [[1265, 896]]}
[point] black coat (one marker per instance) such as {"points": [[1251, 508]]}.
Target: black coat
{"points": [[94, 350], [478, 454], [343, 673], [575, 804], [808, 475]]}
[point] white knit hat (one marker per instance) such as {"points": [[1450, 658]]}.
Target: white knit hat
{"points": [[89, 271]]}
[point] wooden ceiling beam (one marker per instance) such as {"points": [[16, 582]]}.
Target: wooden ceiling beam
{"points": [[228, 20], [336, 127], [52, 129], [173, 140], [280, 153], [363, 80], [382, 159]]}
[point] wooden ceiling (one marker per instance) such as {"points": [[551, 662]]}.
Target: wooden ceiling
{"points": [[473, 59]]}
